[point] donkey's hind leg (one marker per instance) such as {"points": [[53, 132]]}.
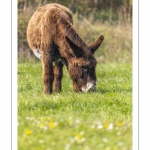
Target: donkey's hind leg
{"points": [[58, 74], [48, 75]]}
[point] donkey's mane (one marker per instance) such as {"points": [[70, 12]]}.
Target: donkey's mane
{"points": [[70, 32]]}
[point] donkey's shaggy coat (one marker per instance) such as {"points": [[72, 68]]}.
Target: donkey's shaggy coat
{"points": [[53, 39]]}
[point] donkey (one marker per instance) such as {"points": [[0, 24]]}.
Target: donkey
{"points": [[53, 39]]}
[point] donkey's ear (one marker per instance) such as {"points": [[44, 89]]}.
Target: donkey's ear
{"points": [[95, 45], [76, 49]]}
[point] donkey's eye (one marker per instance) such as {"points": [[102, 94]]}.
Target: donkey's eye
{"points": [[84, 68]]}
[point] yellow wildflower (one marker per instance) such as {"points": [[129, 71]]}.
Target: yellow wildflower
{"points": [[106, 125], [52, 125], [79, 136], [119, 124], [41, 125], [28, 132]]}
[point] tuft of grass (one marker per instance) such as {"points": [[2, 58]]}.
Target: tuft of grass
{"points": [[75, 121]]}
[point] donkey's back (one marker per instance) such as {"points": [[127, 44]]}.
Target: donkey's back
{"points": [[45, 19]]}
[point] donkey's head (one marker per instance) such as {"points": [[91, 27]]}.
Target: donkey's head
{"points": [[82, 66]]}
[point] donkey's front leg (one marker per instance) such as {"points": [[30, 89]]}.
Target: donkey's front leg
{"points": [[58, 74], [48, 75]]}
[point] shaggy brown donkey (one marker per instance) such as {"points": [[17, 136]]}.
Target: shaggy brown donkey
{"points": [[53, 39]]}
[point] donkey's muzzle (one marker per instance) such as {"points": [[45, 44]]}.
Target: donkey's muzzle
{"points": [[90, 86]]}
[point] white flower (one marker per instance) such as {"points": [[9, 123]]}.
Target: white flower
{"points": [[110, 127], [99, 125], [120, 143], [105, 139], [118, 133], [41, 141]]}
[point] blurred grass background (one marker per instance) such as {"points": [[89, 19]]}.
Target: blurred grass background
{"points": [[111, 18]]}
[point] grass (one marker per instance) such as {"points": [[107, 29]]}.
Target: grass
{"points": [[75, 121]]}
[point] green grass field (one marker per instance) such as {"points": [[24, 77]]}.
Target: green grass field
{"points": [[100, 120]]}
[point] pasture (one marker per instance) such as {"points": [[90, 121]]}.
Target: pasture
{"points": [[100, 120]]}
